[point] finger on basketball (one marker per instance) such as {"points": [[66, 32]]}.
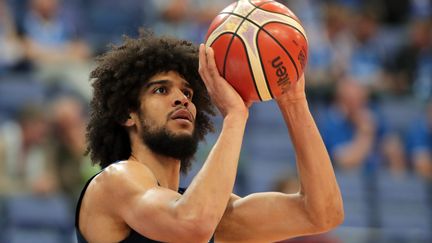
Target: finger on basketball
{"points": [[211, 62], [203, 67]]}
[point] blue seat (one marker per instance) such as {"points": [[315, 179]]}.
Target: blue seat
{"points": [[404, 205], [35, 219], [354, 193], [16, 91], [125, 17]]}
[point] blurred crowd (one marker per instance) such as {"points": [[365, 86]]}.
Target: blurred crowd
{"points": [[369, 82]]}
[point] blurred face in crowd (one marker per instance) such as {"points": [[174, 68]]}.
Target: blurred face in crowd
{"points": [[69, 121], [351, 95], [336, 20], [421, 34], [45, 8], [365, 27], [34, 130]]}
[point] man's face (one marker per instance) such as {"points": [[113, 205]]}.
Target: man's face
{"points": [[167, 116], [166, 101]]}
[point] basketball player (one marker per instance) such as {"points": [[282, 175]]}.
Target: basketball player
{"points": [[150, 109]]}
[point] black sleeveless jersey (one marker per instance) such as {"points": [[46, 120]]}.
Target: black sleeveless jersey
{"points": [[133, 237]]}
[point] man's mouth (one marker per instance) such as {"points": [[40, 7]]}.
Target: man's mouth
{"points": [[182, 114]]}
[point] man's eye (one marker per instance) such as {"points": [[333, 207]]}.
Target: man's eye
{"points": [[188, 94], [160, 90]]}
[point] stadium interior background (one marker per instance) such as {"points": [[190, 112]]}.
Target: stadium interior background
{"points": [[369, 84]]}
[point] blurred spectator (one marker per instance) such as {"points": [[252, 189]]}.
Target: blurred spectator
{"points": [[392, 12], [351, 4], [309, 12], [25, 163], [354, 133], [411, 70], [419, 143], [394, 152], [186, 19], [368, 54], [359, 142], [51, 36], [106, 21], [421, 8], [173, 19], [330, 47], [11, 53], [68, 144], [60, 57]]}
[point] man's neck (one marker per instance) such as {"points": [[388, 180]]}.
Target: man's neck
{"points": [[165, 169]]}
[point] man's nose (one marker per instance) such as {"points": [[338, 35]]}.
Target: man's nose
{"points": [[180, 99]]}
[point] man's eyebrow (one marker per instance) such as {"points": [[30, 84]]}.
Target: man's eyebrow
{"points": [[164, 81], [188, 85], [156, 82]]}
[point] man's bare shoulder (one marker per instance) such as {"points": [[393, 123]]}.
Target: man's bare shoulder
{"points": [[121, 179], [109, 193]]}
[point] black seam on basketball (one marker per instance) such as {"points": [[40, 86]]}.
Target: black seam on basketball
{"points": [[229, 44], [227, 49], [263, 68], [262, 28], [244, 18], [235, 33], [222, 33], [275, 11], [222, 23], [257, 6], [247, 58], [254, 23], [250, 66], [292, 26], [226, 54], [283, 47]]}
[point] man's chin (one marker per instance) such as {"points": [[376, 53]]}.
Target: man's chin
{"points": [[179, 144], [182, 131], [182, 134]]}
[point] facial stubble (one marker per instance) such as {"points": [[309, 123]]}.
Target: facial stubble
{"points": [[164, 142]]}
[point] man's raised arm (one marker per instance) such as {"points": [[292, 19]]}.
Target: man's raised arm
{"points": [[316, 208]]}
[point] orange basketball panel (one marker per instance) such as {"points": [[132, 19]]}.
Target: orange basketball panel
{"points": [[292, 40], [278, 67], [239, 73], [217, 21], [220, 47], [276, 7]]}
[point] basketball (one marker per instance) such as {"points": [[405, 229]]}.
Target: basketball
{"points": [[260, 48]]}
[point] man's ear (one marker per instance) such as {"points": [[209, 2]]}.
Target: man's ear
{"points": [[130, 121]]}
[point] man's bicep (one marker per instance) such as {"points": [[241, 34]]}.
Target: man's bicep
{"points": [[133, 196], [152, 212], [264, 217]]}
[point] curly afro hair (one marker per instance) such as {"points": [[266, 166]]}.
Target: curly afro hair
{"points": [[117, 81]]}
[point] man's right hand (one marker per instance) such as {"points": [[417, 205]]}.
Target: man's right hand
{"points": [[223, 95]]}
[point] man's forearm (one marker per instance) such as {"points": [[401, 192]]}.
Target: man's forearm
{"points": [[318, 183], [211, 189]]}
